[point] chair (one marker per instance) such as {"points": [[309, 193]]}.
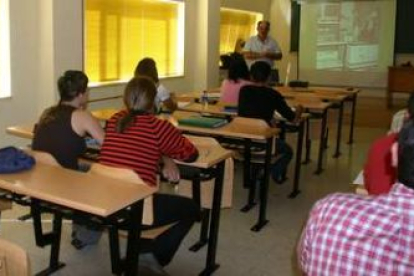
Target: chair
{"points": [[14, 260], [42, 157], [199, 185], [147, 218], [129, 175], [257, 154], [185, 188]]}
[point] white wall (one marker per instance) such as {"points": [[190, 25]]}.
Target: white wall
{"points": [[261, 6], [280, 11], [46, 40], [24, 51]]}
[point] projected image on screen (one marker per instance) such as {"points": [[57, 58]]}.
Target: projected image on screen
{"points": [[346, 36]]}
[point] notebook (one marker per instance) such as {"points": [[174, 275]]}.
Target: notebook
{"points": [[230, 108], [206, 122]]}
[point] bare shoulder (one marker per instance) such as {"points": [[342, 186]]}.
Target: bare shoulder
{"points": [[82, 114]]}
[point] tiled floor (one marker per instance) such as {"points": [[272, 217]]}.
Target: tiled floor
{"points": [[240, 251]]}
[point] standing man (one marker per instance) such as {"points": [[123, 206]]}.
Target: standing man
{"points": [[264, 48]]}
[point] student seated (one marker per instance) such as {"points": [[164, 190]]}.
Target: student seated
{"points": [[350, 234], [61, 132], [136, 139], [379, 173], [258, 100], [238, 76], [147, 67]]}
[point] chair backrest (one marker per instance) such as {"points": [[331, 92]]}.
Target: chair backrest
{"points": [[250, 122], [42, 157], [203, 141], [14, 260], [126, 175]]}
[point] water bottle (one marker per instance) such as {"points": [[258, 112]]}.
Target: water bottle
{"points": [[204, 99]]}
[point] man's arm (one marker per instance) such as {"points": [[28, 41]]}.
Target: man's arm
{"points": [[273, 55], [250, 55]]}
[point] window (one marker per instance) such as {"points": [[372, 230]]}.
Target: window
{"points": [[120, 33], [234, 25], [5, 90]]}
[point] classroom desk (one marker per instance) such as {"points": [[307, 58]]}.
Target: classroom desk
{"points": [[351, 96], [218, 110], [23, 131], [71, 190], [233, 131], [213, 93], [311, 103], [237, 132], [314, 106], [335, 95], [211, 158]]}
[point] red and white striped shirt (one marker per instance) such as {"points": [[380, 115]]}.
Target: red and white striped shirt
{"points": [[349, 234], [142, 144]]}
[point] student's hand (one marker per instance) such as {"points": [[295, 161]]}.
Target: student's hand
{"points": [[299, 111], [170, 170]]}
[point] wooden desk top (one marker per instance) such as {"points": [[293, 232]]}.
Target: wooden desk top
{"points": [[235, 129], [210, 153], [238, 128], [190, 96], [104, 114], [24, 131], [214, 109], [310, 103], [326, 93], [91, 193], [289, 92]]}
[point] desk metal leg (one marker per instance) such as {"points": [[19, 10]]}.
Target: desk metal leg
{"points": [[52, 238], [116, 262], [298, 164], [204, 219], [211, 264], [247, 179], [134, 235], [351, 130], [319, 168], [339, 130], [246, 163], [264, 188], [308, 142]]}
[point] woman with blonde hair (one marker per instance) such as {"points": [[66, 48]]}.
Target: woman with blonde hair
{"points": [[135, 138], [147, 67]]}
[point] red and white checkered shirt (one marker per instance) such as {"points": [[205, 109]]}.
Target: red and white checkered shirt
{"points": [[349, 234]]}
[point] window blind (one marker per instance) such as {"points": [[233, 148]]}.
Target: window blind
{"points": [[234, 25], [120, 33]]}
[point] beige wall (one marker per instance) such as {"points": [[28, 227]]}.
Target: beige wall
{"points": [[24, 51], [280, 30], [261, 6], [46, 40]]}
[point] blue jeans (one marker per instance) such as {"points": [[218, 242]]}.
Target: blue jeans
{"points": [[278, 169]]}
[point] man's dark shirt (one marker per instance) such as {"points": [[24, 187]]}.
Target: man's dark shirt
{"points": [[261, 102]]}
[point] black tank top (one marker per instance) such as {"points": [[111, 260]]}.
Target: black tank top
{"points": [[54, 134]]}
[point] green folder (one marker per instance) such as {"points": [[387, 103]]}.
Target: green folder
{"points": [[206, 122]]}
